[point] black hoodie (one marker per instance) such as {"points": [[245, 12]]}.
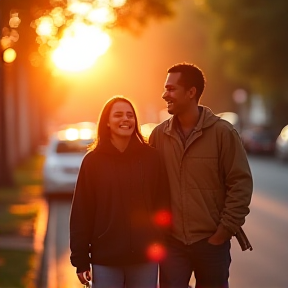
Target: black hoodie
{"points": [[115, 201]]}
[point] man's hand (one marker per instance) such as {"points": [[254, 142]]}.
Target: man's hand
{"points": [[84, 277], [220, 236]]}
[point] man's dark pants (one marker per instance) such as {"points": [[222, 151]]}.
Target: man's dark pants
{"points": [[210, 264]]}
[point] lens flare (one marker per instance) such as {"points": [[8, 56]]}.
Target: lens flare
{"points": [[156, 252], [163, 218]]}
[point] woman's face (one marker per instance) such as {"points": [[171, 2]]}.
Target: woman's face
{"points": [[121, 120]]}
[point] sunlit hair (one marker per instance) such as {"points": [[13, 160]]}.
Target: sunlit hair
{"points": [[191, 76], [103, 131]]}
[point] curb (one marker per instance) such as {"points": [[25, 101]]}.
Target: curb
{"points": [[41, 226]]}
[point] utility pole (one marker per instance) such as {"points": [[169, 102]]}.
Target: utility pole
{"points": [[6, 175]]}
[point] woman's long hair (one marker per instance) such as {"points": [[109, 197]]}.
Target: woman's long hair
{"points": [[103, 131]]}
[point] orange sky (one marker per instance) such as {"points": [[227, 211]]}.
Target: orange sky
{"points": [[135, 66]]}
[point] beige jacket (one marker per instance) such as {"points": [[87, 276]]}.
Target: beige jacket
{"points": [[210, 179]]}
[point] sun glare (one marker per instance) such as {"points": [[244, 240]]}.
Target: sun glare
{"points": [[76, 35], [102, 15], [45, 27], [80, 47], [117, 3], [80, 8]]}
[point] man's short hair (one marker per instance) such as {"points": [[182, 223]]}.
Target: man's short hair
{"points": [[191, 76]]}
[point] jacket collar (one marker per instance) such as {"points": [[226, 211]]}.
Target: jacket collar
{"points": [[207, 118]]}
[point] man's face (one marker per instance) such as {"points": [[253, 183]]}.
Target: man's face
{"points": [[176, 96]]}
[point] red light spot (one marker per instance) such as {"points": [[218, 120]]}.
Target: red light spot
{"points": [[156, 252], [163, 218]]}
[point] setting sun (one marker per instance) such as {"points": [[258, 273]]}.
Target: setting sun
{"points": [[80, 47], [76, 36]]}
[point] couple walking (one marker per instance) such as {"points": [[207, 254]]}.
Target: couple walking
{"points": [[173, 203]]}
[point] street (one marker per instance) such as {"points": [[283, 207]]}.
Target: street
{"points": [[266, 227]]}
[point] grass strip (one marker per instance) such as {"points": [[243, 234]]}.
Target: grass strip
{"points": [[15, 267], [19, 208]]}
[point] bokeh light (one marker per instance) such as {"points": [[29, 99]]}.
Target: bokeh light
{"points": [[9, 37], [163, 218], [77, 35], [9, 55], [156, 252], [147, 128], [284, 133]]}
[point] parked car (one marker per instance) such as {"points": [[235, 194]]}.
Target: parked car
{"points": [[259, 139], [63, 157], [281, 148]]}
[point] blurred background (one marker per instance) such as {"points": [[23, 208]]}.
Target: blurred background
{"points": [[61, 60]]}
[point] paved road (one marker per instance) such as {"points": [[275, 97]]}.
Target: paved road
{"points": [[267, 229], [266, 226]]}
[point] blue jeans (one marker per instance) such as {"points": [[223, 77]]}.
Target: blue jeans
{"points": [[143, 275], [210, 264]]}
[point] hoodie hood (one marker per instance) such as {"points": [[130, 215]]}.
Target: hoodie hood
{"points": [[107, 147], [207, 118]]}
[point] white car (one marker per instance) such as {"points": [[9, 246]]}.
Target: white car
{"points": [[63, 158], [281, 148]]}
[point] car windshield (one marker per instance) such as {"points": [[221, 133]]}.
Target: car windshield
{"points": [[76, 146]]}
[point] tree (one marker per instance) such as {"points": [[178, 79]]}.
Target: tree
{"points": [[134, 15], [16, 103], [252, 36], [6, 177]]}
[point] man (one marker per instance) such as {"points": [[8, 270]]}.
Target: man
{"points": [[211, 184]]}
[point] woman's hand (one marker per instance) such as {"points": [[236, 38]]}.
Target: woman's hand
{"points": [[84, 277]]}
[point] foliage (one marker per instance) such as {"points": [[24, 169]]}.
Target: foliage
{"points": [[19, 209], [253, 35], [13, 267], [135, 14]]}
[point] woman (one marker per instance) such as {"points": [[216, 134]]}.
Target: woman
{"points": [[120, 206]]}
